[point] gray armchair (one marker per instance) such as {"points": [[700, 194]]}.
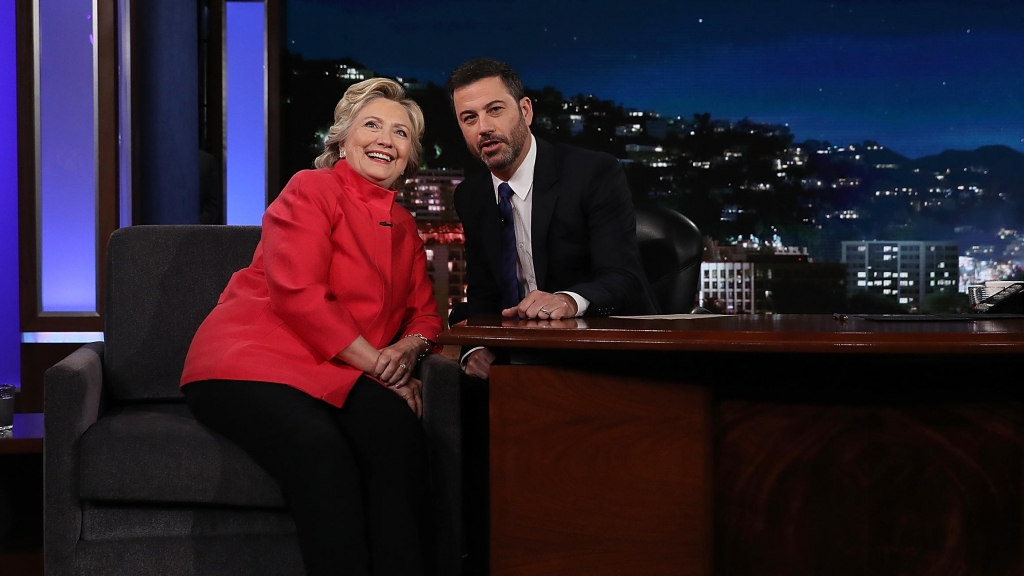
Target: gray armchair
{"points": [[133, 484]]}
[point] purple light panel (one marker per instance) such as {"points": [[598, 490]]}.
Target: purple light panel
{"points": [[246, 152], [67, 156], [124, 112], [10, 329]]}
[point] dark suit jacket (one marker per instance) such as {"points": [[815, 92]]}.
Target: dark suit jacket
{"points": [[583, 228]]}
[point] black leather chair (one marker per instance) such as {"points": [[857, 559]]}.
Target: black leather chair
{"points": [[133, 484], [671, 249]]}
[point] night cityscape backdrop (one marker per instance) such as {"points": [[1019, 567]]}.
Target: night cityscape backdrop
{"points": [[789, 124], [920, 76]]}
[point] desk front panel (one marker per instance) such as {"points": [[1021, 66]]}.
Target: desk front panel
{"points": [[581, 464]]}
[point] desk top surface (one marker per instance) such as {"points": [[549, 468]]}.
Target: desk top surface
{"points": [[751, 333]]}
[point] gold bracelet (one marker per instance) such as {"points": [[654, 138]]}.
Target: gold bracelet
{"points": [[427, 341]]}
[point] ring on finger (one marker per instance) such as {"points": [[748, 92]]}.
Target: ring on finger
{"points": [[402, 366], [545, 311]]}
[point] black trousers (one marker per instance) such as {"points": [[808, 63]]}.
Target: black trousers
{"points": [[354, 478], [476, 475]]}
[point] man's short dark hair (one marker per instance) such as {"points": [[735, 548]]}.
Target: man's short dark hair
{"points": [[481, 68]]}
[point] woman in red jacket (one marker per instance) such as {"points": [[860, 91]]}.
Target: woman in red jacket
{"points": [[306, 361]]}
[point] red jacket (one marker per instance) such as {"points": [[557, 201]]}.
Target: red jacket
{"points": [[337, 259]]}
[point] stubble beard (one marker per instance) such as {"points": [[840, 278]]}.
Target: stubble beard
{"points": [[515, 142]]}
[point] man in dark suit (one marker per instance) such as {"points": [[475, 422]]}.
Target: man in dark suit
{"points": [[574, 248]]}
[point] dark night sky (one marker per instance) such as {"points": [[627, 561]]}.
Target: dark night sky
{"points": [[918, 76]]}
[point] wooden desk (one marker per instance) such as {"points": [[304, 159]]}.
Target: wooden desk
{"points": [[754, 445]]}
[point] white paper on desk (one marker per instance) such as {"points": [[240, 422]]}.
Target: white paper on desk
{"points": [[673, 316]]}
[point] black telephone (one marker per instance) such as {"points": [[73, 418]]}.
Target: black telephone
{"points": [[1009, 300]]}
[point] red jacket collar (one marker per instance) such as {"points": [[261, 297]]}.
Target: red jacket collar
{"points": [[362, 188]]}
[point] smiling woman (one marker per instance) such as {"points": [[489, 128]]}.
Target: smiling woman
{"points": [[307, 360], [378, 146], [360, 108]]}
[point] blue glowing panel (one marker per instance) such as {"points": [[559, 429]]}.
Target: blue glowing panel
{"points": [[61, 337], [67, 156], [246, 151], [10, 330]]}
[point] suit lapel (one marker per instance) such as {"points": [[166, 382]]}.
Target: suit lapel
{"points": [[546, 173]]}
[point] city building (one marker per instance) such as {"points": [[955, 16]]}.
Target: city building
{"points": [[727, 287], [905, 271], [775, 279], [790, 286], [446, 262], [446, 266], [429, 195]]}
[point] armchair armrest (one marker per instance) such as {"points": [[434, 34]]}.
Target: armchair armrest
{"points": [[442, 421], [71, 397]]}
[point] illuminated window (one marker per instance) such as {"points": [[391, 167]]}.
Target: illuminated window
{"points": [[246, 163], [67, 157]]}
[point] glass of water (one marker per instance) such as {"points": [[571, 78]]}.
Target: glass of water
{"points": [[6, 407]]}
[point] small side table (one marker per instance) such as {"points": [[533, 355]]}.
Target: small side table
{"points": [[21, 528], [27, 435]]}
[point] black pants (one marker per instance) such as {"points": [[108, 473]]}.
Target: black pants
{"points": [[354, 478], [476, 487]]}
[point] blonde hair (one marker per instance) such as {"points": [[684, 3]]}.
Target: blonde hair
{"points": [[348, 108]]}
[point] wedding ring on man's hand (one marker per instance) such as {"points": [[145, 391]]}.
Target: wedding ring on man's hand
{"points": [[402, 366], [545, 311]]}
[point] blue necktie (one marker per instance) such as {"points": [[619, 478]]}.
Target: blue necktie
{"points": [[509, 275]]}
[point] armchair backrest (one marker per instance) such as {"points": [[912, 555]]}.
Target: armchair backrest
{"points": [[671, 248], [162, 282]]}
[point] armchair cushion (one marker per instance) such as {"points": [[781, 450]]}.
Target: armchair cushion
{"points": [[159, 453]]}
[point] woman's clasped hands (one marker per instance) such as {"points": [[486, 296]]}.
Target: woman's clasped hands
{"points": [[394, 368]]}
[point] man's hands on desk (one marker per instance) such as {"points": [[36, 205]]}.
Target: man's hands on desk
{"points": [[538, 307]]}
